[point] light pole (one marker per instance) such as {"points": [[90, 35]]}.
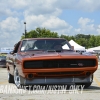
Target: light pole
{"points": [[25, 29]]}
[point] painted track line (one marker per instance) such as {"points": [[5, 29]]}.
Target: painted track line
{"points": [[4, 82], [96, 80]]}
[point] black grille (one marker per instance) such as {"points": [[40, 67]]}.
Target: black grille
{"points": [[61, 73], [69, 63]]}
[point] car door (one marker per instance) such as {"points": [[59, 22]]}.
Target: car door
{"points": [[11, 59]]}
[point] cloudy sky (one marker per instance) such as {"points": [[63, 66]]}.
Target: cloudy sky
{"points": [[68, 17]]}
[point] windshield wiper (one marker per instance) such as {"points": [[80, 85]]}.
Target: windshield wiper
{"points": [[51, 50], [54, 50], [67, 50], [34, 50]]}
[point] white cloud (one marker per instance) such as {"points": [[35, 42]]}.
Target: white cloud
{"points": [[86, 5], [55, 23], [51, 22], [86, 25], [98, 29], [48, 6], [84, 21], [89, 5], [43, 13], [98, 26], [10, 24], [34, 21], [44, 7], [10, 31], [15, 4], [77, 30]]}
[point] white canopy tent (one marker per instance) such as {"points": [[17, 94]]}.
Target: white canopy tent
{"points": [[94, 49], [89, 50], [77, 47]]}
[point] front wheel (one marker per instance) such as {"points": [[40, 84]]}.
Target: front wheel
{"points": [[17, 78]]}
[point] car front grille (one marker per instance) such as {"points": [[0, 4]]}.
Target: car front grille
{"points": [[60, 73], [62, 63]]}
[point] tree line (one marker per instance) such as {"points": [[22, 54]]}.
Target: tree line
{"points": [[87, 41]]}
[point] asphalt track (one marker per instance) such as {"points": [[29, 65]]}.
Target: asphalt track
{"points": [[91, 93]]}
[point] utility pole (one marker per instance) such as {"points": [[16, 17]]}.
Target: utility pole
{"points": [[25, 29]]}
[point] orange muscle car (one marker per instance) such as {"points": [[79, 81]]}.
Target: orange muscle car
{"points": [[49, 61]]}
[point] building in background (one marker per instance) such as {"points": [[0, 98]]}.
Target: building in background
{"points": [[6, 49]]}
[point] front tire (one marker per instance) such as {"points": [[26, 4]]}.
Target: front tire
{"points": [[17, 78]]}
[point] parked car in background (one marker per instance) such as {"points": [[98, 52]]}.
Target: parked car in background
{"points": [[2, 61]]}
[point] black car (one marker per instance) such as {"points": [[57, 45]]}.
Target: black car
{"points": [[2, 61]]}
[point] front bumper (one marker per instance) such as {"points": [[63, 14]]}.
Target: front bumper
{"points": [[69, 80]]}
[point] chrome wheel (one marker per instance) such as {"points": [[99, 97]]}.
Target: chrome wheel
{"points": [[8, 76], [16, 78]]}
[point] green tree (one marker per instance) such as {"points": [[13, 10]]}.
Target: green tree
{"points": [[40, 32], [87, 41]]}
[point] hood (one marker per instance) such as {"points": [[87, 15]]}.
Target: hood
{"points": [[51, 54]]}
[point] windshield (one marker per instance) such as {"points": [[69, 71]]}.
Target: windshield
{"points": [[45, 44]]}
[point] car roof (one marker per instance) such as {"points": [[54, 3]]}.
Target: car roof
{"points": [[43, 38]]}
